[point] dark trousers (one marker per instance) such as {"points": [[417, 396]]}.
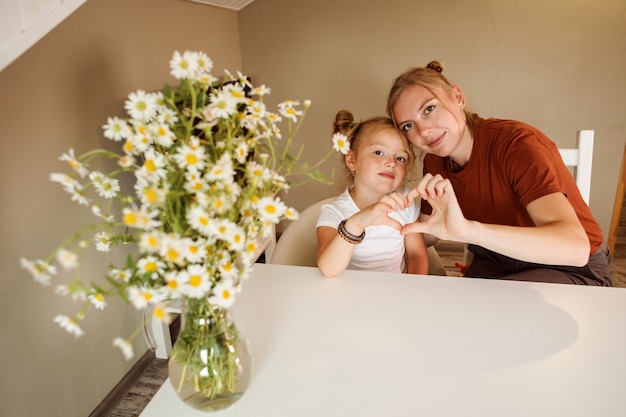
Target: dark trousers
{"points": [[488, 264]]}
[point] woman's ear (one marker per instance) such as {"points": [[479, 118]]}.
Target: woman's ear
{"points": [[458, 95]]}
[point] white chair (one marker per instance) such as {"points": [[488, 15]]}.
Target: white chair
{"points": [[297, 245], [580, 160]]}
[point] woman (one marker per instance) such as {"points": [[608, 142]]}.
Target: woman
{"points": [[498, 185]]}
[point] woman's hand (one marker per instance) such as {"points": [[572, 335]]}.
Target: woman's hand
{"points": [[446, 221]]}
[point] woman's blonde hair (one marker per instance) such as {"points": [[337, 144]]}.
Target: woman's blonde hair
{"points": [[431, 78]]}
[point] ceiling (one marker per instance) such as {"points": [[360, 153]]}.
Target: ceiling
{"points": [[227, 4]]}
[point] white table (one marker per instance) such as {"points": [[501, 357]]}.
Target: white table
{"points": [[375, 344]]}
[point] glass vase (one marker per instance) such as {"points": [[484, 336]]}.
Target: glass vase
{"points": [[210, 363]]}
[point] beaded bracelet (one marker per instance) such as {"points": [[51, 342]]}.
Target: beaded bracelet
{"points": [[347, 236]]}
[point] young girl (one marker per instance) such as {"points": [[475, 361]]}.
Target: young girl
{"points": [[361, 228]]}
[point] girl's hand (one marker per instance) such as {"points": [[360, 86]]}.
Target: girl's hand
{"points": [[378, 213]]}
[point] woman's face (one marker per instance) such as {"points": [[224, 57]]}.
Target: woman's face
{"points": [[435, 124]]}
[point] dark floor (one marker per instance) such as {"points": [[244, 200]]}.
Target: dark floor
{"points": [[148, 382]]}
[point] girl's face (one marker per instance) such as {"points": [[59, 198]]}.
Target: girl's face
{"points": [[380, 161], [435, 124]]}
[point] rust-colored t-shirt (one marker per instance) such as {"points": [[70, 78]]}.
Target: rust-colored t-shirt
{"points": [[512, 164]]}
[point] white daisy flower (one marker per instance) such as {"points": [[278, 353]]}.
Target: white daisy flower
{"points": [[241, 152], [151, 265], [97, 299], [197, 281], [224, 229], [103, 241], [116, 129], [126, 161], [222, 104], [288, 109], [174, 282], [271, 208], [227, 269], [261, 90], [150, 194], [70, 324], [67, 259], [166, 117], [223, 294], [141, 218], [141, 106], [236, 92], [125, 346], [122, 275], [76, 292], [222, 170], [150, 241], [200, 220], [185, 65], [205, 64], [341, 143], [190, 157], [79, 197], [194, 250], [258, 172], [95, 209], [291, 213], [171, 250], [74, 163], [163, 135], [237, 239], [141, 296], [105, 187], [153, 167], [40, 270], [69, 184]]}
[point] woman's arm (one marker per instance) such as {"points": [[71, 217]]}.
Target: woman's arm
{"points": [[557, 239]]}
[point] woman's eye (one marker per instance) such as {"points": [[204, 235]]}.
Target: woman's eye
{"points": [[406, 127], [429, 109]]}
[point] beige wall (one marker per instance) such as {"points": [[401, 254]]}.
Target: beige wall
{"points": [[557, 64], [56, 96]]}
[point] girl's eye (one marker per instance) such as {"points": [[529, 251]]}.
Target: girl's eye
{"points": [[379, 153], [401, 159]]}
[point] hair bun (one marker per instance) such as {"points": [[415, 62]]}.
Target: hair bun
{"points": [[344, 121], [435, 65]]}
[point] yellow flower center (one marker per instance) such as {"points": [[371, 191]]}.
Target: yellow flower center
{"points": [[195, 280]]}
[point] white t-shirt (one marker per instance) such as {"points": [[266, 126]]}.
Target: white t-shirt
{"points": [[383, 246]]}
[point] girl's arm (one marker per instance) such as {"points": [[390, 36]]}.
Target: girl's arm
{"points": [[334, 252], [416, 254]]}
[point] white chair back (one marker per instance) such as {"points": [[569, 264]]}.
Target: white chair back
{"points": [[580, 159]]}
